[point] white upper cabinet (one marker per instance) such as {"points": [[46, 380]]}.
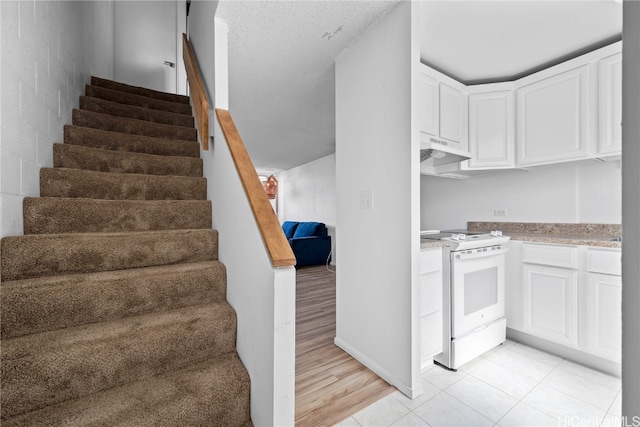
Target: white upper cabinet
{"points": [[428, 104], [568, 112], [442, 109], [453, 115], [553, 118], [491, 127], [610, 105]]}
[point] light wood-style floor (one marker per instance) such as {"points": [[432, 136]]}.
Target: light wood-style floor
{"points": [[330, 384]]}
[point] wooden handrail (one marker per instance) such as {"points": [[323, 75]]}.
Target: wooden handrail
{"points": [[197, 91], [268, 224]]}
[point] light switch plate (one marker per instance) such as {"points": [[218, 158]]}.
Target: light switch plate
{"points": [[366, 199]]}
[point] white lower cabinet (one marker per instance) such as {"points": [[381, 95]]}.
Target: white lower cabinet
{"points": [[430, 303], [567, 295], [604, 302], [550, 303], [604, 299]]}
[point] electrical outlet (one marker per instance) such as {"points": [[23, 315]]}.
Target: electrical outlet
{"points": [[499, 212]]}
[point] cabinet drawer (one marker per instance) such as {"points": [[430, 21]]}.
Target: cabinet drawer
{"points": [[430, 260], [555, 255], [604, 261]]}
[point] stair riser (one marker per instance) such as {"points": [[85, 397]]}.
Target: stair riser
{"points": [[25, 257], [137, 100], [75, 366], [206, 394], [46, 304], [116, 141], [133, 112], [95, 81], [95, 159], [58, 182], [132, 126], [64, 215]]}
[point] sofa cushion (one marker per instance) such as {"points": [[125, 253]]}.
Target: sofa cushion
{"points": [[289, 227], [306, 229]]}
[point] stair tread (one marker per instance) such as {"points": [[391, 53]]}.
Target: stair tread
{"points": [[51, 367], [38, 255], [120, 141], [102, 160], [54, 302], [123, 87], [117, 109], [212, 392], [54, 215], [35, 345], [65, 182], [139, 100], [132, 126]]}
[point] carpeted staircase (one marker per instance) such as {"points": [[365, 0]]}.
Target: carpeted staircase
{"points": [[113, 303]]}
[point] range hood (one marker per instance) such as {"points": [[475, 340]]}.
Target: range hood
{"points": [[435, 152]]}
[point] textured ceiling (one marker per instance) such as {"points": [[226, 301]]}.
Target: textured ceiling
{"points": [[281, 57], [281, 73]]}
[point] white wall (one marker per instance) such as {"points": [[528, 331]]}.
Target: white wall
{"points": [[376, 153], [262, 296], [588, 193], [202, 38], [631, 213], [49, 51], [308, 193]]}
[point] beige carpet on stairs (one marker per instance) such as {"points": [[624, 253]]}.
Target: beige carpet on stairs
{"points": [[113, 302]]}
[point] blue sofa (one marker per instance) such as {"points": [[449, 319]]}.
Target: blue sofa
{"points": [[310, 242]]}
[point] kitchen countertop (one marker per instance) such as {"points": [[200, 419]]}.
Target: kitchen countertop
{"points": [[597, 235], [431, 244]]}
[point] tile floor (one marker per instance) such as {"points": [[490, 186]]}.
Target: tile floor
{"points": [[512, 385]]}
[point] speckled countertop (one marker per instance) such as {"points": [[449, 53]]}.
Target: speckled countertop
{"points": [[599, 235], [432, 244]]}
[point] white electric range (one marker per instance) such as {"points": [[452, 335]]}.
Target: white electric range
{"points": [[473, 294]]}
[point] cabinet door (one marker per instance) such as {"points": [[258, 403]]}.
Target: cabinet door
{"points": [[610, 103], [431, 314], [491, 130], [453, 116], [550, 303], [431, 321], [553, 118], [428, 104], [604, 322]]}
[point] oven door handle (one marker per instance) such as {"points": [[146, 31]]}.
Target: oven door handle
{"points": [[472, 254]]}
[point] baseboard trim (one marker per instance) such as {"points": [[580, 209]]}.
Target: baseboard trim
{"points": [[571, 354], [379, 371]]}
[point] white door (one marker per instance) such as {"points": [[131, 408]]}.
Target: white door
{"points": [[146, 43]]}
